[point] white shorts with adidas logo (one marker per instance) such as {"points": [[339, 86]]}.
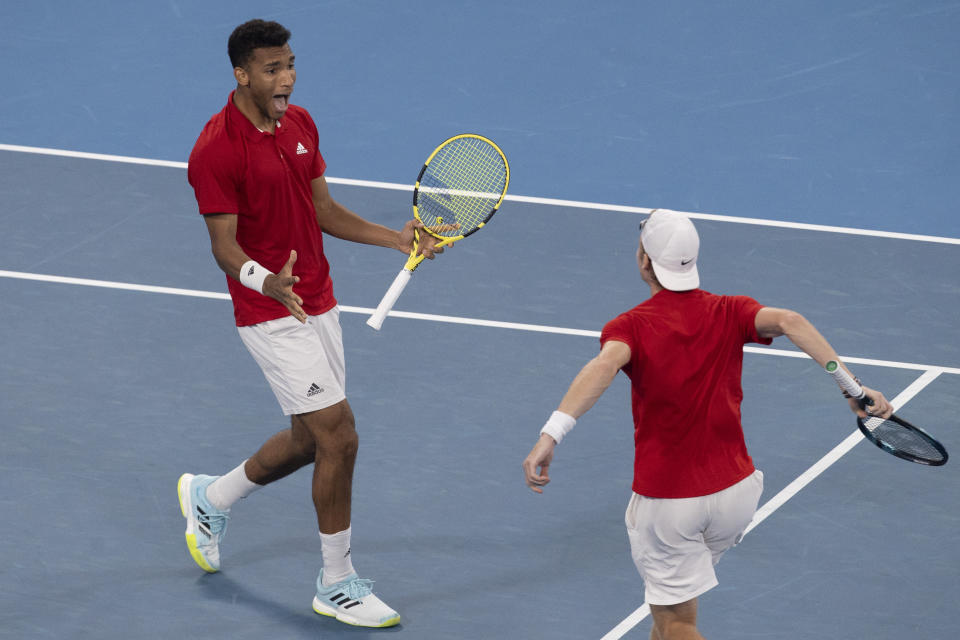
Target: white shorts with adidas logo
{"points": [[303, 363]]}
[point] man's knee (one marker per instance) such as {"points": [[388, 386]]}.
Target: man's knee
{"points": [[333, 430], [302, 439]]}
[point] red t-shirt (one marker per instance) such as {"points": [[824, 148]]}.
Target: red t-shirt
{"points": [[685, 366], [265, 179]]}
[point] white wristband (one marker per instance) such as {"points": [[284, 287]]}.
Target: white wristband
{"points": [[252, 275], [558, 425]]}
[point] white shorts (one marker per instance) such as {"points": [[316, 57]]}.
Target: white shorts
{"points": [[675, 542], [303, 363]]}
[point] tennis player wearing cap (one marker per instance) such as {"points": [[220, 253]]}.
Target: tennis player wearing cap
{"points": [[695, 488]]}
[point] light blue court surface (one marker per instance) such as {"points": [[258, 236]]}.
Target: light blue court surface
{"points": [[821, 113]]}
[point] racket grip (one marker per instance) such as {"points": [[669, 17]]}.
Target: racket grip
{"points": [[389, 298], [845, 380]]}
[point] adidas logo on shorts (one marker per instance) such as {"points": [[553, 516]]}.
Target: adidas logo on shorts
{"points": [[314, 390]]}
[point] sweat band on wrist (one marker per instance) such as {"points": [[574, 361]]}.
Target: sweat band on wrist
{"points": [[252, 275], [558, 425]]}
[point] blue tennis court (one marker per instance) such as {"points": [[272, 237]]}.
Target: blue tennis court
{"points": [[814, 146]]}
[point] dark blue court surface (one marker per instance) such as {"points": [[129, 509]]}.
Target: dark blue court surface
{"points": [[816, 114]]}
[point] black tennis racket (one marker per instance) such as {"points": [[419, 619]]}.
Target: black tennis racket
{"points": [[894, 434]]}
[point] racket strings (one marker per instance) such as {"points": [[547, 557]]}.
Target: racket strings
{"points": [[461, 187], [902, 439]]}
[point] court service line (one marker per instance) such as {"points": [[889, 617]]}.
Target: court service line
{"points": [[516, 198], [495, 324], [792, 489]]}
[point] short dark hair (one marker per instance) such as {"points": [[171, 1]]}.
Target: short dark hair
{"points": [[254, 34]]}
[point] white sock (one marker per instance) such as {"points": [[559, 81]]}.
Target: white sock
{"points": [[335, 548], [228, 488]]}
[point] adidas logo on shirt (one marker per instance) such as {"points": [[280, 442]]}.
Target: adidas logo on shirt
{"points": [[314, 390], [301, 149]]}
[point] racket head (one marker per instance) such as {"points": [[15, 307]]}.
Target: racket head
{"points": [[460, 186], [898, 437]]}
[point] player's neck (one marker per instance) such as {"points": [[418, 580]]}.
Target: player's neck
{"points": [[248, 108], [651, 279]]}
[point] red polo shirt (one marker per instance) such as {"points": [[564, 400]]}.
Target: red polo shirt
{"points": [[264, 179], [685, 366]]}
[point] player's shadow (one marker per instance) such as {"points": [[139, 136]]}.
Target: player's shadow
{"points": [[286, 619]]}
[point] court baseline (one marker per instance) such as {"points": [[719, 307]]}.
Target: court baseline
{"points": [[516, 198]]}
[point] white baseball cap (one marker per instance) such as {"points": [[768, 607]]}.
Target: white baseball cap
{"points": [[672, 243]]}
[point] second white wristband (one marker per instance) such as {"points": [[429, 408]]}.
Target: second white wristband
{"points": [[558, 425], [252, 275]]}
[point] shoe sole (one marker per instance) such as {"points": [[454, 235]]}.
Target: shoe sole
{"points": [[183, 492], [320, 607]]}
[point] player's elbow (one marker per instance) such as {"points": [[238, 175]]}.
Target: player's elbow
{"points": [[772, 322], [791, 322], [604, 368], [325, 209], [222, 252]]}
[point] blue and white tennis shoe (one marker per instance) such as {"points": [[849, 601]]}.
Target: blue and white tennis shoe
{"points": [[205, 523], [352, 601]]}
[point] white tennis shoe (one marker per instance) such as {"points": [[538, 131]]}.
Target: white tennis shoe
{"points": [[352, 601]]}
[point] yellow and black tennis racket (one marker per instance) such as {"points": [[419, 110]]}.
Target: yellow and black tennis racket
{"points": [[460, 187]]}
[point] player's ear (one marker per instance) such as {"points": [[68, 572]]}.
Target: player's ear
{"points": [[241, 75]]}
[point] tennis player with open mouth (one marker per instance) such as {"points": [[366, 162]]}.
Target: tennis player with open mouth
{"points": [[258, 177]]}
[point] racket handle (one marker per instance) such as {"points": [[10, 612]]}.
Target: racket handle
{"points": [[846, 381], [389, 298]]}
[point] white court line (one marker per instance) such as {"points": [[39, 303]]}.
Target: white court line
{"points": [[83, 155], [496, 324], [792, 489], [534, 200], [107, 284]]}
